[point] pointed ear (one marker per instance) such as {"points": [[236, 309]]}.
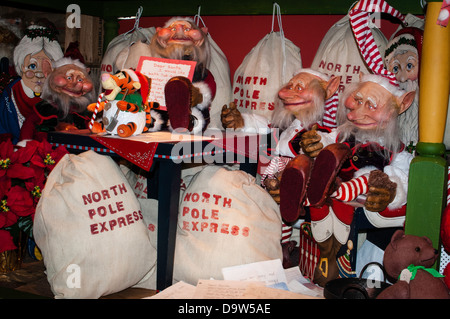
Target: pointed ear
{"points": [[205, 30], [332, 86], [405, 101], [361, 74], [47, 67]]}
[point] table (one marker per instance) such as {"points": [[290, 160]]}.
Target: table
{"points": [[165, 174]]}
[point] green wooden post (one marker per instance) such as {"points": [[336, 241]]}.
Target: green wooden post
{"points": [[428, 171]]}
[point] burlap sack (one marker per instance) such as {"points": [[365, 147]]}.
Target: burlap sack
{"points": [[89, 227], [264, 70], [225, 219], [339, 55]]}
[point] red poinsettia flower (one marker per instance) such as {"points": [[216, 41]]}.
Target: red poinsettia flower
{"points": [[20, 202], [6, 156], [12, 161], [6, 241], [46, 156], [5, 185], [36, 184], [7, 217]]}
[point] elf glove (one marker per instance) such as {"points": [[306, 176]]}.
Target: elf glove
{"points": [[381, 191], [310, 142], [231, 117]]}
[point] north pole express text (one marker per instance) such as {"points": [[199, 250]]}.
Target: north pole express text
{"points": [[209, 219], [113, 214]]}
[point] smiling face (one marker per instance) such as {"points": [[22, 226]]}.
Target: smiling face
{"points": [[302, 92], [370, 106], [32, 74], [180, 32], [70, 80]]}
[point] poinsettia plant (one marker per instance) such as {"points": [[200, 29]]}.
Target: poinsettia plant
{"points": [[23, 173]]}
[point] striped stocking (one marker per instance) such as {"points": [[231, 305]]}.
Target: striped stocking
{"points": [[348, 191]]}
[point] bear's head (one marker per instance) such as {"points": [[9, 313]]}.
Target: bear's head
{"points": [[405, 250]]}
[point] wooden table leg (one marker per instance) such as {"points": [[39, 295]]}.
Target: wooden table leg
{"points": [[169, 177]]}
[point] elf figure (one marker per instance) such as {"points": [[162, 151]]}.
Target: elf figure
{"points": [[360, 163], [18, 99], [309, 101], [67, 90]]}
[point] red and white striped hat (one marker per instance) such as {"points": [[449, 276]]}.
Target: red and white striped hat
{"points": [[359, 20]]}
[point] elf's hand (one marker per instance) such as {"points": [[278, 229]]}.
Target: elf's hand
{"points": [[273, 187], [231, 117], [381, 191], [196, 96], [310, 142]]}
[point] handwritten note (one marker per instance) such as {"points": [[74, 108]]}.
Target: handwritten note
{"points": [[222, 289], [160, 71], [270, 272]]}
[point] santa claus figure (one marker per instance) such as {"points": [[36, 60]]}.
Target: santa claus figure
{"points": [[188, 102], [39, 45]]}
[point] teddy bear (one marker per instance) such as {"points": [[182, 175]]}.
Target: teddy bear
{"points": [[407, 261], [124, 103]]}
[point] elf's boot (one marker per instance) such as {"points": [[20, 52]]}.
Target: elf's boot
{"points": [[327, 268], [323, 175], [180, 96], [293, 185]]}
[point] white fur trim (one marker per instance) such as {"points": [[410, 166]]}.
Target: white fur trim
{"points": [[384, 82], [401, 193], [199, 122], [173, 19], [157, 126], [314, 72], [206, 92], [66, 61], [364, 171]]}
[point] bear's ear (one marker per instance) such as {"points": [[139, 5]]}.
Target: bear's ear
{"points": [[399, 234]]}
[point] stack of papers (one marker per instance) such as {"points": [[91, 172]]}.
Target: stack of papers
{"points": [[261, 280]]}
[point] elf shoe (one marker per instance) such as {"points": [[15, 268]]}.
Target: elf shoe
{"points": [[179, 95], [327, 268], [293, 186], [323, 176]]}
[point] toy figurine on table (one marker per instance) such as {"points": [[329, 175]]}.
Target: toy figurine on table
{"points": [[188, 102], [18, 99], [125, 105], [67, 91]]}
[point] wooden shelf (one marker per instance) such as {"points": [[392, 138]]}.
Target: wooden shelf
{"points": [[115, 8]]}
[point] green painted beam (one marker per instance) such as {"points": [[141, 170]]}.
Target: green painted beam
{"points": [[118, 8], [427, 193]]}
